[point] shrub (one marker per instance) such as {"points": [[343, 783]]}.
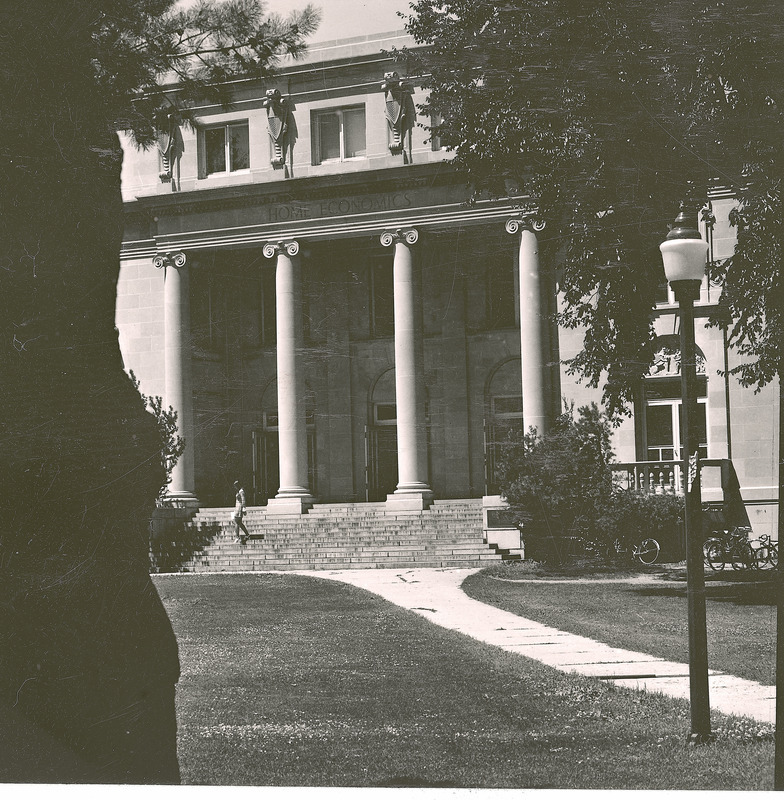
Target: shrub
{"points": [[633, 515], [556, 484], [559, 485]]}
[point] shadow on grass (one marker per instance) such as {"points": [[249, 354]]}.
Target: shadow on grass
{"points": [[741, 593]]}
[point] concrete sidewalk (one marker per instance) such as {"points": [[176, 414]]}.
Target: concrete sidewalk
{"points": [[436, 595]]}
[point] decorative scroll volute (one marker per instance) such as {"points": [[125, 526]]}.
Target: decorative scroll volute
{"points": [[274, 249], [408, 236], [400, 113], [524, 222], [277, 125], [175, 259]]}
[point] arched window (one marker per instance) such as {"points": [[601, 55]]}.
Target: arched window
{"points": [[660, 413], [503, 416]]}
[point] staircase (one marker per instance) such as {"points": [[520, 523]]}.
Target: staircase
{"points": [[353, 536]]}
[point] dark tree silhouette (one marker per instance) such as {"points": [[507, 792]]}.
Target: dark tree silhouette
{"points": [[88, 660]]}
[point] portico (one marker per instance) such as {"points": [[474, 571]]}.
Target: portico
{"points": [[404, 246]]}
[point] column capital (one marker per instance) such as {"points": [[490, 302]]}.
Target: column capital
{"points": [[527, 222], [405, 235], [174, 259], [273, 249]]}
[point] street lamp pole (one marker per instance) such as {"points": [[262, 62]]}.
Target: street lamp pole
{"points": [[684, 253]]}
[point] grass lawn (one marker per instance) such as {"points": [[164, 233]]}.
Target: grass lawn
{"points": [[295, 681], [649, 617]]}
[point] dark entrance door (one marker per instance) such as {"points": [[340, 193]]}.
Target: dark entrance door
{"points": [[382, 453]]}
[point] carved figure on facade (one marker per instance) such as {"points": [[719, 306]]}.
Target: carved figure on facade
{"points": [[400, 113], [667, 359], [277, 125], [170, 148]]}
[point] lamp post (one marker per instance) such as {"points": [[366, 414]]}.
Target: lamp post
{"points": [[684, 255]]}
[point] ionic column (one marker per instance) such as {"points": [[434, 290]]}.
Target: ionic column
{"points": [[533, 318], [178, 387], [412, 490], [293, 495]]}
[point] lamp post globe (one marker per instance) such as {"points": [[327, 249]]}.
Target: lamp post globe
{"points": [[684, 251]]}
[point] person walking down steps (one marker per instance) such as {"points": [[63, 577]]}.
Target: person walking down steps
{"points": [[240, 531]]}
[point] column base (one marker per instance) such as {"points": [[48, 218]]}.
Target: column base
{"points": [[180, 499], [298, 504], [410, 500]]}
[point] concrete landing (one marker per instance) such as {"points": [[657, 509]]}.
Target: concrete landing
{"points": [[436, 595]]}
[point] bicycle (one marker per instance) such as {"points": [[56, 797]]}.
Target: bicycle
{"points": [[767, 554], [646, 551], [730, 546]]}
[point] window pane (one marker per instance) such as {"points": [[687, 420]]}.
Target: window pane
{"points": [[238, 145], [328, 132], [382, 299], [662, 294], [702, 428], [215, 147], [354, 129], [658, 423], [386, 412], [663, 388]]}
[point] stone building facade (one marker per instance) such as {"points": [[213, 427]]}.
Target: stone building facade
{"points": [[304, 283]]}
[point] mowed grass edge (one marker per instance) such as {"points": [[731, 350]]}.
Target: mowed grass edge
{"points": [[649, 617], [297, 681]]}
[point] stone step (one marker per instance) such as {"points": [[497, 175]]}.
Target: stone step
{"points": [[346, 536], [369, 562]]}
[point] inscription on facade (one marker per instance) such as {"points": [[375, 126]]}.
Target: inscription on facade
{"points": [[337, 207]]}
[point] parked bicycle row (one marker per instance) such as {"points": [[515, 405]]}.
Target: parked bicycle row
{"points": [[736, 548]]}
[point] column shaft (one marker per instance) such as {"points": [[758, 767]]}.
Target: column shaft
{"points": [[532, 321], [178, 388], [292, 430], [409, 376]]}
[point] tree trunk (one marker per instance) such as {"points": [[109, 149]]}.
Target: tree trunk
{"points": [[88, 660]]}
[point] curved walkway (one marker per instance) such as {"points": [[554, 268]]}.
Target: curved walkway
{"points": [[436, 595]]}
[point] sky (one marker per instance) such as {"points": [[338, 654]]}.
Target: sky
{"points": [[342, 19]]}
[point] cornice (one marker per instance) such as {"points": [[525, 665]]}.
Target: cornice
{"points": [[433, 218]]}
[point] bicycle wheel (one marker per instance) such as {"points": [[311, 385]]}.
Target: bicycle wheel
{"points": [[715, 557], [761, 557], [713, 540], [742, 556], [647, 551]]}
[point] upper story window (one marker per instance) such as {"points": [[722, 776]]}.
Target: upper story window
{"points": [[224, 149], [339, 135]]}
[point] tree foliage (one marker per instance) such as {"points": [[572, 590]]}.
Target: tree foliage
{"points": [[172, 444], [603, 115], [143, 48]]}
